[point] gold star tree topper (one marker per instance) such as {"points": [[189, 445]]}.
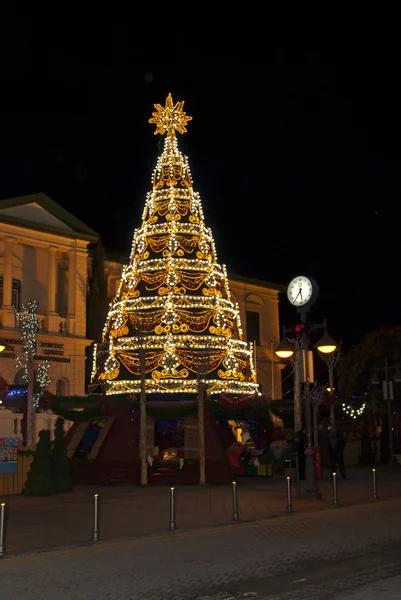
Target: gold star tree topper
{"points": [[171, 118]]}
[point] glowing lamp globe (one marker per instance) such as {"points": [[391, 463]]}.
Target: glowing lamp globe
{"points": [[2, 347], [284, 353], [284, 349], [326, 344]]}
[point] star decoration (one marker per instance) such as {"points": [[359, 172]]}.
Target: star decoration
{"points": [[170, 118]]}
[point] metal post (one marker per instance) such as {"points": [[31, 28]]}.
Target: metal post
{"points": [[289, 500], [236, 516], [272, 367], [388, 395], [298, 476], [201, 421], [335, 498], [375, 496], [95, 533], [332, 397], [172, 525], [2, 530], [311, 490], [142, 414]]}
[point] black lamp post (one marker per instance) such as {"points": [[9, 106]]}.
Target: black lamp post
{"points": [[304, 365]]}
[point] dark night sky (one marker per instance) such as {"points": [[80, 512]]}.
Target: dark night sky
{"points": [[294, 148]]}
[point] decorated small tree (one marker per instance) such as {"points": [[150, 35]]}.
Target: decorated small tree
{"points": [[39, 481], [59, 466], [27, 326]]}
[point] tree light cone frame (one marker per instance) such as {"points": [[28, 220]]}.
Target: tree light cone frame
{"points": [[174, 291]]}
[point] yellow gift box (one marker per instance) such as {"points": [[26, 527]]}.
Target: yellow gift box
{"points": [[262, 470]]}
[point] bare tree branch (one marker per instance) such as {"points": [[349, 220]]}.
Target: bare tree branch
{"points": [[334, 358]]}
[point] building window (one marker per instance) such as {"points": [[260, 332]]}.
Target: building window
{"points": [[252, 327], [62, 387], [62, 286], [15, 293]]}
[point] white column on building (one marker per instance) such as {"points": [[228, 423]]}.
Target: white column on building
{"points": [[8, 273], [51, 281], [72, 278]]}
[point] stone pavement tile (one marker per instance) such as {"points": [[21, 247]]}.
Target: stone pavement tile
{"points": [[182, 566], [380, 583]]}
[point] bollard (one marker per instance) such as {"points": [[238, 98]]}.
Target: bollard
{"points": [[375, 496], [95, 533], [289, 501], [2, 530], [236, 516], [298, 476], [172, 524], [335, 498]]}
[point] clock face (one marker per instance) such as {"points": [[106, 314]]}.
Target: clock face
{"points": [[300, 290]]}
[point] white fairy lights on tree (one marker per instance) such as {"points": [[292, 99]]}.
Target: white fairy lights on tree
{"points": [[42, 380], [27, 325]]}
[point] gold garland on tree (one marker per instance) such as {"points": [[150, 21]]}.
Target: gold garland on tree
{"points": [[174, 299]]}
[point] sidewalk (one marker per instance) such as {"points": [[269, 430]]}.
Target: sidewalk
{"points": [[184, 565], [39, 523]]}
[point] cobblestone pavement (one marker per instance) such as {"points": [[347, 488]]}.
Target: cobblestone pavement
{"points": [[387, 589], [185, 565], [383, 583], [380, 584], [41, 523], [334, 580]]}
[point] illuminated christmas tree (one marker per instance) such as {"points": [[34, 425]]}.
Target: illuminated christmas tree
{"points": [[174, 301]]}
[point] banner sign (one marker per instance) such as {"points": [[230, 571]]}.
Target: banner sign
{"points": [[8, 454]]}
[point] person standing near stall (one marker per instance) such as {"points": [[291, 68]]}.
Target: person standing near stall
{"points": [[337, 443]]}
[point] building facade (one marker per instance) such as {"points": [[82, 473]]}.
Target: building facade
{"points": [[44, 258]]}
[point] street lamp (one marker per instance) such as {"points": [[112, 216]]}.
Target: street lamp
{"points": [[284, 349], [302, 293], [327, 348], [388, 396], [304, 366], [326, 344]]}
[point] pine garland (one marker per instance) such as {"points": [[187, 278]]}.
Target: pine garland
{"points": [[65, 406], [88, 403]]}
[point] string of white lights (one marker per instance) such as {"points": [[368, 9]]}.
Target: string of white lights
{"points": [[353, 412]]}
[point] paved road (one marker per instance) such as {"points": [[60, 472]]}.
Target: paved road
{"points": [[383, 588], [388, 589], [374, 575], [184, 565], [379, 587]]}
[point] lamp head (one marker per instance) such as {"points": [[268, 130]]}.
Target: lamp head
{"points": [[284, 349], [326, 344]]}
